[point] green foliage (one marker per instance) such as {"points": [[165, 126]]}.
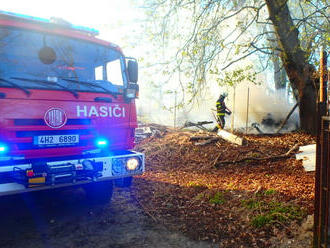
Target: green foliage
{"points": [[199, 185], [268, 213], [217, 198], [260, 221], [277, 213], [200, 196], [267, 192], [270, 192], [237, 76], [251, 203], [194, 184]]}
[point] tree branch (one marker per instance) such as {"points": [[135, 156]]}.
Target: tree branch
{"points": [[281, 156], [236, 60]]}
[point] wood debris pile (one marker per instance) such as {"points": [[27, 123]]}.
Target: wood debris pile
{"points": [[150, 130], [199, 124], [183, 189]]}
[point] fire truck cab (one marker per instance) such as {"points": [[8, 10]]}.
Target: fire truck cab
{"points": [[67, 108]]}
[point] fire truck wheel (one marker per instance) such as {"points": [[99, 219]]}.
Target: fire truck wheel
{"points": [[99, 193]]}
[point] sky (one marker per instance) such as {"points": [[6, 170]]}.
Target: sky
{"points": [[115, 19]]}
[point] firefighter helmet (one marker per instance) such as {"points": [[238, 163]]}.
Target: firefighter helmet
{"points": [[223, 96]]}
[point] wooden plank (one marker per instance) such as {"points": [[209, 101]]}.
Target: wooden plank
{"points": [[208, 141], [231, 137]]}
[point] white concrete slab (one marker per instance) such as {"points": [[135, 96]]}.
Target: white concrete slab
{"points": [[231, 137], [308, 156], [308, 148]]}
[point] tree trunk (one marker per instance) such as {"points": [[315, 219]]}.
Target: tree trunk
{"points": [[279, 73], [295, 62]]}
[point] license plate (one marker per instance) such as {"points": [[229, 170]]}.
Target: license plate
{"points": [[56, 139]]}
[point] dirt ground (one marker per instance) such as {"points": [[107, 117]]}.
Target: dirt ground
{"points": [[66, 220], [182, 200]]}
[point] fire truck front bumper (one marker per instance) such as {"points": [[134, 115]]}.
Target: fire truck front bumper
{"points": [[19, 176]]}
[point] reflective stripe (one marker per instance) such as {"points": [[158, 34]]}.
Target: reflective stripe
{"points": [[221, 114]]}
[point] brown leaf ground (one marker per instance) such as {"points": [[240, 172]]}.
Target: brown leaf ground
{"points": [[249, 204]]}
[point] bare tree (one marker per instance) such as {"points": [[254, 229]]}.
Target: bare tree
{"points": [[213, 35]]}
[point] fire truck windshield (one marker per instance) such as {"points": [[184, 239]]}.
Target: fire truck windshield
{"points": [[26, 54]]}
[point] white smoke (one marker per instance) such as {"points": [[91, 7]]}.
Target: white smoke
{"points": [[263, 103]]}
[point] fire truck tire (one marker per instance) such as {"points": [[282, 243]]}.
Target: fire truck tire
{"points": [[99, 192], [123, 182]]}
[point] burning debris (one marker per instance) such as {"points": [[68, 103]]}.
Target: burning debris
{"points": [[269, 124], [270, 121]]}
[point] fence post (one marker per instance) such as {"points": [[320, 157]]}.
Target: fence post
{"points": [[247, 109], [175, 103], [321, 198], [233, 111]]}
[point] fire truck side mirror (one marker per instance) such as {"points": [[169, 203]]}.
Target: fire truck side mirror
{"points": [[132, 67]]}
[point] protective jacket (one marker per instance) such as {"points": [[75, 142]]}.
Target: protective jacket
{"points": [[221, 107], [221, 111]]}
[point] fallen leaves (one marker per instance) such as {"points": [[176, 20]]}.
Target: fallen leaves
{"points": [[182, 189]]}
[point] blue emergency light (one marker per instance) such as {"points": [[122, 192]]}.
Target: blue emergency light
{"points": [[32, 18], [3, 148], [91, 31], [101, 142]]}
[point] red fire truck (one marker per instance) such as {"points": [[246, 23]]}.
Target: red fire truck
{"points": [[67, 108]]}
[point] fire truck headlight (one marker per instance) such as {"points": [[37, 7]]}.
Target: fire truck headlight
{"points": [[132, 164]]}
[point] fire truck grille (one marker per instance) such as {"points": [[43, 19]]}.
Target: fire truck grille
{"points": [[83, 130], [41, 122]]}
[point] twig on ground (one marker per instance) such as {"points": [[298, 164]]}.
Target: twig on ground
{"points": [[220, 154], [146, 210], [216, 160], [285, 155]]}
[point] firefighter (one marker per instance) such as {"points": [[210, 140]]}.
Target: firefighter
{"points": [[222, 110]]}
